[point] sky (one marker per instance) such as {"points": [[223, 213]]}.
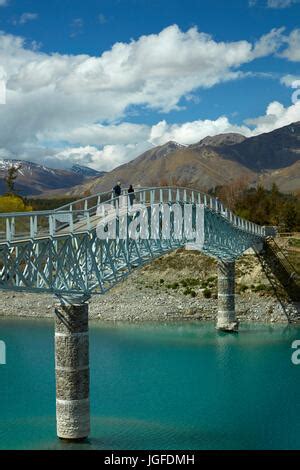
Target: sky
{"points": [[101, 81]]}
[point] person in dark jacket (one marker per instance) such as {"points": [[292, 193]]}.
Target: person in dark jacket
{"points": [[117, 189], [131, 194]]}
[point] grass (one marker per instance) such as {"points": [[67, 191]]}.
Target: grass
{"points": [[49, 204], [294, 242], [190, 282], [190, 292]]}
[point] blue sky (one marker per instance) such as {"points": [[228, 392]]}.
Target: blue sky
{"points": [[73, 44]]}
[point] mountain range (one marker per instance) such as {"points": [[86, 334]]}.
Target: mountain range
{"points": [[268, 158], [35, 180], [273, 157]]}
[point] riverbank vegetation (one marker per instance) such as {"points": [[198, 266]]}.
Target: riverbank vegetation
{"points": [[49, 204], [262, 206], [14, 203]]}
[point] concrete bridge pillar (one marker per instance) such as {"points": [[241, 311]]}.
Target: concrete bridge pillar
{"points": [[226, 297], [72, 371]]}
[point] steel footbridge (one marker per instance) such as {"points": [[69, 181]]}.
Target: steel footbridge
{"points": [[60, 252]]}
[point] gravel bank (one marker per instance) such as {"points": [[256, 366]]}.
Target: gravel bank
{"points": [[171, 288], [126, 302]]}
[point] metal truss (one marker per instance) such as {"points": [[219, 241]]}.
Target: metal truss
{"points": [[59, 251]]}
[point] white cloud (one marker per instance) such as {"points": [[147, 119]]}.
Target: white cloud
{"points": [[281, 3], [3, 3], [269, 43], [102, 18], [76, 27], [273, 4], [97, 134], [290, 81], [276, 116], [292, 52], [53, 97], [191, 132], [104, 159], [25, 18]]}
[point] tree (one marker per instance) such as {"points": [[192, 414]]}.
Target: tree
{"points": [[232, 193], [11, 177], [290, 215]]}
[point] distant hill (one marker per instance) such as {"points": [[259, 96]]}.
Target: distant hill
{"points": [[270, 151], [34, 179], [287, 179], [220, 140], [86, 171], [169, 164], [211, 162]]}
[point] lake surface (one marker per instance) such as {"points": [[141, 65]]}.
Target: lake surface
{"points": [[174, 386]]}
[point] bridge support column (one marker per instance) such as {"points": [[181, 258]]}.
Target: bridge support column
{"points": [[72, 371], [226, 297]]}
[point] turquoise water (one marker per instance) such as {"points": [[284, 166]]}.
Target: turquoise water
{"points": [[178, 386]]}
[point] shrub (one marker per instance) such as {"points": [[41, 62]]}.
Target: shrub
{"points": [[189, 291], [13, 203], [193, 282], [207, 293], [242, 288], [175, 285], [259, 288], [190, 282]]}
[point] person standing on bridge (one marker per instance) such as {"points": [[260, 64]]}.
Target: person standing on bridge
{"points": [[117, 193], [117, 190], [131, 194]]}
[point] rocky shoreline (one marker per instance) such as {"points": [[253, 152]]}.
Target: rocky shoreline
{"points": [[125, 303], [178, 286]]}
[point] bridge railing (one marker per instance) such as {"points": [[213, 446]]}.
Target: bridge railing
{"points": [[86, 203], [83, 215]]}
